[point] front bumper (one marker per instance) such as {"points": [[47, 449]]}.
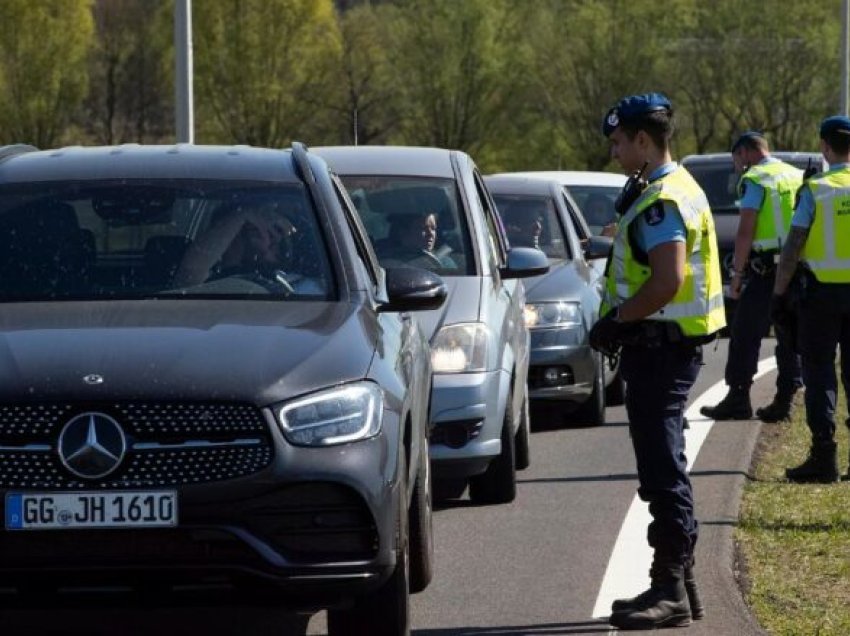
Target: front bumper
{"points": [[467, 414], [317, 525], [562, 366]]}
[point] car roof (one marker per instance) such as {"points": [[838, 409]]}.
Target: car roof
{"points": [[726, 157], [388, 160], [518, 184], [573, 177], [134, 161]]}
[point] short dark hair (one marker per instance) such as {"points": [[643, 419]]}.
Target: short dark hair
{"points": [[838, 140], [658, 124], [751, 141]]}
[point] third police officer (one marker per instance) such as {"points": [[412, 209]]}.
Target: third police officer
{"points": [[663, 301], [767, 189], [820, 239]]}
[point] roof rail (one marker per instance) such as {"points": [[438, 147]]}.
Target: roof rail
{"points": [[15, 149], [299, 154]]}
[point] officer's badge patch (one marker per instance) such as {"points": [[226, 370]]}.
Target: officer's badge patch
{"points": [[613, 119], [655, 215]]}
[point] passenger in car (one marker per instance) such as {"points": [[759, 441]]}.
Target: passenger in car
{"points": [[599, 210], [523, 223], [413, 240], [251, 241]]}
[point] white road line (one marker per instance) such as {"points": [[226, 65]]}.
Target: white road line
{"points": [[627, 573]]}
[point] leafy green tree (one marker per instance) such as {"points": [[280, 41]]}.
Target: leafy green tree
{"points": [[457, 64], [261, 68], [131, 78], [43, 53]]}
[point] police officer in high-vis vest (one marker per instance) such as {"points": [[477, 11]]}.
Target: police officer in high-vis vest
{"points": [[820, 238], [663, 300], [767, 190]]}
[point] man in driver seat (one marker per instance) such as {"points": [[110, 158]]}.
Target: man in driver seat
{"points": [[413, 239]]}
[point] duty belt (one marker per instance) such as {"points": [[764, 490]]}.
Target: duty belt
{"points": [[657, 333]]}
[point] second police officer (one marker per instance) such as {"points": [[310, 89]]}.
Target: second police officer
{"points": [[820, 239], [663, 300], [767, 189]]}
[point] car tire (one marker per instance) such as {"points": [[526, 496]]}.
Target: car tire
{"points": [[523, 436], [497, 484], [421, 528], [592, 412], [615, 394], [385, 612]]}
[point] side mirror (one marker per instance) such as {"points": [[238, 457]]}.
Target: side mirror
{"points": [[413, 289], [598, 247], [525, 262]]}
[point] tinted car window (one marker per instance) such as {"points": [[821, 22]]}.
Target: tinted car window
{"points": [[184, 238], [720, 183], [596, 204], [413, 221], [532, 221]]}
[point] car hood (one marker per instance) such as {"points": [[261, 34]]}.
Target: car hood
{"points": [[563, 281], [462, 304], [182, 349]]}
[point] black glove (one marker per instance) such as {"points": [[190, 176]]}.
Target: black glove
{"points": [[605, 336], [781, 313]]}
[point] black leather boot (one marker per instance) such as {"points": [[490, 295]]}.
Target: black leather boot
{"points": [[777, 411], [691, 589], [664, 604], [821, 466], [735, 406]]}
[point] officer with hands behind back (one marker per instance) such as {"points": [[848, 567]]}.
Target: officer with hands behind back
{"points": [[767, 189], [820, 239], [663, 300]]}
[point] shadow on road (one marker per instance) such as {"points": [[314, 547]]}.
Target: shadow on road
{"points": [[550, 629]]}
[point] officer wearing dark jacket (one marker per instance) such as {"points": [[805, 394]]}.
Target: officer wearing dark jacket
{"points": [[767, 189], [820, 239], [663, 300]]}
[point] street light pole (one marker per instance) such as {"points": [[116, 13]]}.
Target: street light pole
{"points": [[183, 97]]}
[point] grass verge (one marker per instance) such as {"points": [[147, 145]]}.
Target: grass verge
{"points": [[794, 539]]}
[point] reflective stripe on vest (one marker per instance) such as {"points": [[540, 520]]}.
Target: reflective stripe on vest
{"points": [[827, 248], [780, 182], [697, 306]]}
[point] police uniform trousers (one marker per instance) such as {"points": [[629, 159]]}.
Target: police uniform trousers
{"points": [[824, 326], [750, 325], [658, 380]]}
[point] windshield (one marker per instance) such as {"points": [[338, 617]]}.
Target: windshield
{"points": [[174, 238], [532, 221], [719, 181], [596, 204], [414, 221]]}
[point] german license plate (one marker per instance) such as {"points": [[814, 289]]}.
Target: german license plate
{"points": [[62, 511]]}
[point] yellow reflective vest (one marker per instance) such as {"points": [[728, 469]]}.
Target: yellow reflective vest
{"points": [[780, 182], [827, 249], [698, 305]]}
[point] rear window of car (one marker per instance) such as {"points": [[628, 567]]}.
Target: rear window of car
{"points": [[414, 221], [148, 238], [719, 181], [532, 221]]}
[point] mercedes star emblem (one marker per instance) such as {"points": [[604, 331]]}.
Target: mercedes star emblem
{"points": [[92, 445]]}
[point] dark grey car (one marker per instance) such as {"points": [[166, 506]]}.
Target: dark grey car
{"points": [[204, 379], [430, 207], [562, 304]]}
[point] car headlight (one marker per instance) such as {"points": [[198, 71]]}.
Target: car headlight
{"points": [[460, 348], [560, 314], [336, 416]]}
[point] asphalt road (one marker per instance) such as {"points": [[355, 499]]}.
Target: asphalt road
{"points": [[533, 567]]}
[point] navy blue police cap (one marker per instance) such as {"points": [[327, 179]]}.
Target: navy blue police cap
{"points": [[746, 136], [631, 108], [836, 123]]}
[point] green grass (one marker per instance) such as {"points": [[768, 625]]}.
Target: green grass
{"points": [[795, 538]]}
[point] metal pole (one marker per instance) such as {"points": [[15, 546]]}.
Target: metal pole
{"points": [[845, 56], [183, 98]]}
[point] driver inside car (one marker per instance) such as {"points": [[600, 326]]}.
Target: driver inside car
{"points": [[413, 239], [250, 242]]}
